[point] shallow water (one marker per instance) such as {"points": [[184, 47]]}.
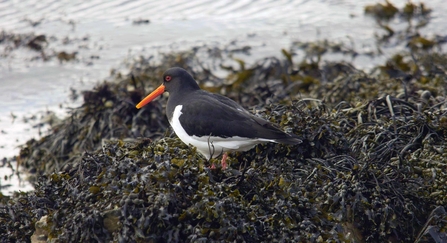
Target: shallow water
{"points": [[105, 29]]}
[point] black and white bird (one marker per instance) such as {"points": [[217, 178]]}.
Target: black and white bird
{"points": [[212, 123]]}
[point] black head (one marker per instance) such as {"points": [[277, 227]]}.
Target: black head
{"points": [[178, 80]]}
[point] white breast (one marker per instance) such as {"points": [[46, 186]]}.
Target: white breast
{"points": [[211, 146]]}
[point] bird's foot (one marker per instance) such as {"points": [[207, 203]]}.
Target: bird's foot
{"points": [[213, 166], [224, 161]]}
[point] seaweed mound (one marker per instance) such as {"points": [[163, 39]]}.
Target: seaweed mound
{"points": [[372, 167]]}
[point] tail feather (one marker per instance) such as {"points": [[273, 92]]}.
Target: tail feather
{"points": [[292, 140]]}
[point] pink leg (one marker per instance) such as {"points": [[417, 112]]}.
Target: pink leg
{"points": [[224, 161]]}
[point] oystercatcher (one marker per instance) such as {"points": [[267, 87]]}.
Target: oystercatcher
{"points": [[213, 123]]}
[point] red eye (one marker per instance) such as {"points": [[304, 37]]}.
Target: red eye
{"points": [[168, 78]]}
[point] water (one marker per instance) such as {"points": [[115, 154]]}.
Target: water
{"points": [[105, 29]]}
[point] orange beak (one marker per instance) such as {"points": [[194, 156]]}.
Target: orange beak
{"points": [[151, 96]]}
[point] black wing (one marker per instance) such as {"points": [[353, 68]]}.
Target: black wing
{"points": [[218, 115]]}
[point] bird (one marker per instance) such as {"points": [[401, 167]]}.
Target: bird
{"points": [[213, 123]]}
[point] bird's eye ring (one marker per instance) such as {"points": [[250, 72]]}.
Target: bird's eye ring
{"points": [[168, 78]]}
